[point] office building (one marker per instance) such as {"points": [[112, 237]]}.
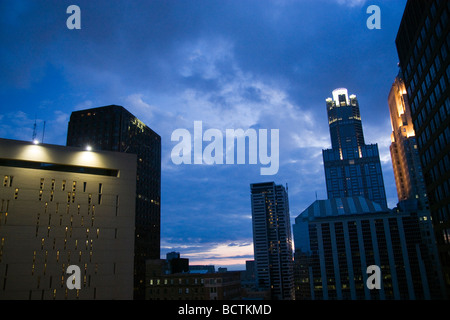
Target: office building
{"points": [[165, 283], [195, 286], [62, 206], [200, 268], [352, 168], [408, 175], [176, 264], [114, 128], [272, 239], [423, 47], [337, 239], [405, 156]]}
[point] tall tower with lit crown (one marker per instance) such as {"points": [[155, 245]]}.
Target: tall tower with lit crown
{"points": [[352, 168]]}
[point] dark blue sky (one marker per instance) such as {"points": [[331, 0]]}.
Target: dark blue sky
{"points": [[230, 64]]}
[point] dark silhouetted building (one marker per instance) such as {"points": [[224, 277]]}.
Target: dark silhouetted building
{"points": [[352, 168], [337, 239], [163, 282], [176, 264], [423, 47], [114, 128], [272, 239]]}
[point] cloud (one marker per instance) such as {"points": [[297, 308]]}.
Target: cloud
{"points": [[221, 254], [135, 104], [205, 58], [352, 3], [310, 138], [84, 105]]}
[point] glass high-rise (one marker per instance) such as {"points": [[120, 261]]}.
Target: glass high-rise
{"points": [[411, 190], [115, 128], [352, 168], [423, 47], [272, 239]]}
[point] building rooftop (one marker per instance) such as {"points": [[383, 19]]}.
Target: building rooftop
{"points": [[339, 207]]}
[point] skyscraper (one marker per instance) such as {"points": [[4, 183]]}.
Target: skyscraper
{"points": [[62, 206], [337, 239], [405, 156], [114, 128], [423, 47], [408, 176], [352, 168], [272, 239]]}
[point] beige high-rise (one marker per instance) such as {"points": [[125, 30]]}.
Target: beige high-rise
{"points": [[62, 206], [405, 157]]}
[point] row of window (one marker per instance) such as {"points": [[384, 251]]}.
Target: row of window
{"points": [[180, 291], [69, 254], [439, 117], [173, 281], [443, 214], [434, 149], [423, 37], [64, 184], [442, 191]]}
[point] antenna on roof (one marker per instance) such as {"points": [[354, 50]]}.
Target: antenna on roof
{"points": [[43, 133], [34, 130]]}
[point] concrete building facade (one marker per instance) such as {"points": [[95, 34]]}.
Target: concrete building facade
{"points": [[62, 206]]}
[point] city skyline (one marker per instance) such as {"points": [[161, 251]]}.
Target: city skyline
{"points": [[235, 65]]}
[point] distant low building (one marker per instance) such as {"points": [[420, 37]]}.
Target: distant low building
{"points": [[190, 286], [202, 269]]}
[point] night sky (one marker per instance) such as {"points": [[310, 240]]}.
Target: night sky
{"points": [[231, 64]]}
